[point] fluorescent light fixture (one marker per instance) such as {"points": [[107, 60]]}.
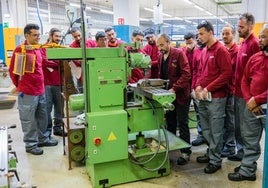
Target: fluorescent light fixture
{"points": [[209, 13], [188, 21], [106, 11], [198, 7], [167, 15], [145, 19], [74, 5], [149, 9], [187, 1], [177, 18]]}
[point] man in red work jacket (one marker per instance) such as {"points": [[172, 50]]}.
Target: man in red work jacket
{"points": [[75, 65], [228, 34], [211, 90], [111, 36], [31, 97], [248, 47], [254, 86], [53, 86], [193, 52], [174, 67], [152, 50]]}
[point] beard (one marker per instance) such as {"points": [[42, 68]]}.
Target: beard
{"points": [[264, 48], [244, 35]]}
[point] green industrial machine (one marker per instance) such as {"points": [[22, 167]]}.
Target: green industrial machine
{"points": [[125, 138]]}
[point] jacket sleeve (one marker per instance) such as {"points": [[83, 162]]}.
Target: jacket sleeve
{"points": [[46, 62], [14, 77], [185, 74]]}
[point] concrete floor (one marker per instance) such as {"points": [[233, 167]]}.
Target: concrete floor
{"points": [[50, 170]]}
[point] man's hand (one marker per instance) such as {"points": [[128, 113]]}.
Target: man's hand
{"points": [[204, 94], [198, 91], [251, 104], [171, 90], [257, 110]]}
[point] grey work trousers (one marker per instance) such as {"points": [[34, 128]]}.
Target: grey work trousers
{"points": [[33, 118], [239, 118], [251, 132], [212, 115]]}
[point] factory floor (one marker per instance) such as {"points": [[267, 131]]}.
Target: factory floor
{"points": [[50, 170]]}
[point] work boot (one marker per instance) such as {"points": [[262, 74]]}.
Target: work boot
{"points": [[239, 177], [35, 151], [58, 131], [198, 141], [183, 159], [202, 159], [226, 152], [49, 143]]}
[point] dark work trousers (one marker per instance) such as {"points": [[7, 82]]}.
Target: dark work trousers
{"points": [[178, 118]]}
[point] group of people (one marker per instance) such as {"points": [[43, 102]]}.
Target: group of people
{"points": [[229, 89], [227, 82]]}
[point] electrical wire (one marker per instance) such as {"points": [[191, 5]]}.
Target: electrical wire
{"points": [[142, 163]]}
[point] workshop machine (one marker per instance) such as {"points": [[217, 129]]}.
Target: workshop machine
{"points": [[125, 136]]}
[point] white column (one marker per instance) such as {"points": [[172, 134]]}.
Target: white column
{"points": [[128, 10]]}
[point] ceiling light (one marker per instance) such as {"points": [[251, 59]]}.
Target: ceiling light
{"points": [[209, 13], [198, 7], [188, 21], [149, 9], [177, 18], [145, 19], [167, 15], [189, 2], [106, 11]]}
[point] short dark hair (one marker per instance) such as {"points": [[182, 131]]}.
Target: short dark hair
{"points": [[249, 17], [109, 28], [207, 25], [166, 37], [99, 34], [75, 29], [188, 36], [52, 31], [137, 32], [29, 27]]}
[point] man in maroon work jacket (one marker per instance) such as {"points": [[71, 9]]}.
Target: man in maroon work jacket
{"points": [[254, 86], [211, 90], [248, 47], [152, 50], [174, 66]]}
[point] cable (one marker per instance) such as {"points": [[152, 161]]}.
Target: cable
{"points": [[157, 152]]}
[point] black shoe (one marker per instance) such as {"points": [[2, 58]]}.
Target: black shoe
{"points": [[211, 168], [236, 169], [57, 131], [50, 142], [227, 153], [202, 159], [198, 141], [238, 177], [234, 158], [35, 151], [182, 160]]}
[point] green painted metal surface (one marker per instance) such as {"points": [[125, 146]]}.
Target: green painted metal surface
{"points": [[111, 128], [112, 153]]}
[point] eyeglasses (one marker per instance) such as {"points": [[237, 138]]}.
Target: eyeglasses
{"points": [[35, 35]]}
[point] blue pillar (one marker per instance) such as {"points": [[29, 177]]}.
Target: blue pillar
{"points": [[2, 47], [126, 18], [265, 159]]}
